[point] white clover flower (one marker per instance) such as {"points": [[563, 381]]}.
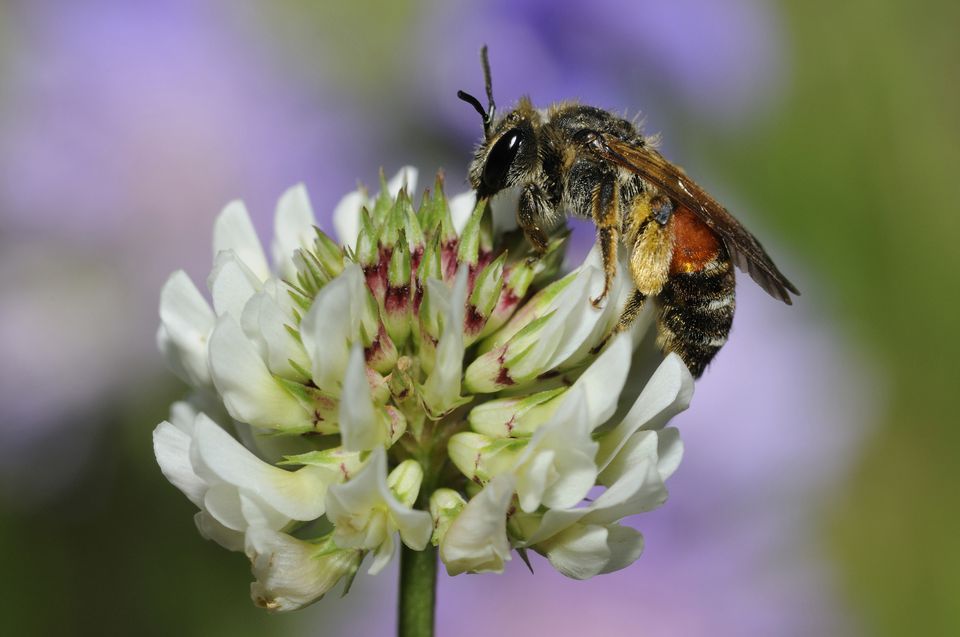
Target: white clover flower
{"points": [[429, 378]]}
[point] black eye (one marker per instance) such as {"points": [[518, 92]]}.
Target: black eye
{"points": [[500, 158]]}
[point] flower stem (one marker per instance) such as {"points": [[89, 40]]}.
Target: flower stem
{"points": [[418, 591]]}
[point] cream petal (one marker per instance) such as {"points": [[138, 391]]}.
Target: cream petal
{"points": [[565, 443], [361, 493], [172, 449], [669, 451], [291, 573], [281, 347], [634, 486], [360, 426], [222, 502], [346, 217], [182, 416], [637, 489], [667, 393], [186, 321], [461, 209], [331, 325], [626, 546], [231, 284], [210, 529], [591, 325], [504, 206], [580, 551], [533, 479], [298, 495], [382, 555], [293, 228], [249, 391], [441, 391], [476, 540], [604, 379], [406, 177], [234, 231]]}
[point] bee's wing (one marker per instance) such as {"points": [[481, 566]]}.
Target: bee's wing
{"points": [[745, 251]]}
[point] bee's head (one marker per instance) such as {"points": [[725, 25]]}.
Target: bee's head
{"points": [[508, 152]]}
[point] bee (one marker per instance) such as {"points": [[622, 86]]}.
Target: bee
{"points": [[682, 244]]}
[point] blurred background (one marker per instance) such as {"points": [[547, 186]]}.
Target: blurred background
{"points": [[818, 495]]}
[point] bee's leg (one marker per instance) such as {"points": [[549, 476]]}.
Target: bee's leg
{"points": [[532, 215], [606, 216], [631, 310]]}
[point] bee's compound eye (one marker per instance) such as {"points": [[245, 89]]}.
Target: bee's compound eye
{"points": [[500, 158]]}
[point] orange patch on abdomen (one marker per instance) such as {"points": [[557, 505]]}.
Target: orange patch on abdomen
{"points": [[694, 243]]}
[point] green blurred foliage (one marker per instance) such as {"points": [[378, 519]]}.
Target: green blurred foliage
{"points": [[859, 163]]}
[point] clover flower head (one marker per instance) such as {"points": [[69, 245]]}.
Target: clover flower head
{"points": [[428, 380]]}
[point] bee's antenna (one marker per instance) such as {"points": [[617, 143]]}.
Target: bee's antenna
{"points": [[488, 81], [491, 111], [475, 103]]}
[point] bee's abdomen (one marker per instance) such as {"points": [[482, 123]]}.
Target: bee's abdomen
{"points": [[697, 301], [696, 313]]}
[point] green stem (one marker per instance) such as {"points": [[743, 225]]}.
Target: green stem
{"points": [[418, 591]]}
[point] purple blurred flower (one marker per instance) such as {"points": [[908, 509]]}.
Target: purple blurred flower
{"points": [[720, 60], [124, 128]]}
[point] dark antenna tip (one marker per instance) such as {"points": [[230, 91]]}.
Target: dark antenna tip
{"points": [[474, 102]]}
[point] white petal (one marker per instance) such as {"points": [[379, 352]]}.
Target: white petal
{"points": [[182, 416], [291, 573], [405, 177], [231, 284], [249, 391], [187, 320], [634, 486], [280, 346], [293, 228], [604, 379], [346, 217], [625, 544], [638, 486], [222, 502], [234, 231], [565, 443], [545, 351], [172, 449], [441, 391], [669, 451], [461, 209], [298, 495], [210, 529], [415, 526], [477, 539], [668, 392], [359, 495], [504, 207], [533, 478], [174, 358], [331, 324], [360, 426], [579, 552], [591, 325], [382, 555]]}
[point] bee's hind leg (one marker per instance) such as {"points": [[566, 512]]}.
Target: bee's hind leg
{"points": [[631, 310], [606, 216]]}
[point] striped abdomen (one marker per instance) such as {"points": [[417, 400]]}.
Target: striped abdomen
{"points": [[697, 302]]}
